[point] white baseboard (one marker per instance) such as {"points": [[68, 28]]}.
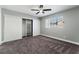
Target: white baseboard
{"points": [[62, 39], [8, 41], [0, 42], [55, 38]]}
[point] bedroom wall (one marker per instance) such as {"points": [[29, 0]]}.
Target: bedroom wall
{"points": [[36, 27], [12, 28], [0, 24], [70, 31], [36, 22]]}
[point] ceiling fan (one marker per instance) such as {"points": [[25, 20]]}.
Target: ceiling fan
{"points": [[41, 9]]}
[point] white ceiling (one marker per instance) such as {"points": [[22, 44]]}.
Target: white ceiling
{"points": [[27, 9]]}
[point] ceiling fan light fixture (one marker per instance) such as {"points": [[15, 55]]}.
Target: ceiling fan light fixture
{"points": [[41, 10], [41, 6]]}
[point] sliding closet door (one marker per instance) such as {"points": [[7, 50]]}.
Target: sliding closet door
{"points": [[24, 28], [12, 28]]}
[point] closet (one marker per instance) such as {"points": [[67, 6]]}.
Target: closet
{"points": [[27, 27]]}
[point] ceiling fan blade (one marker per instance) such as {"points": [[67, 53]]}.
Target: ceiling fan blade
{"points": [[47, 9], [37, 12], [34, 10]]}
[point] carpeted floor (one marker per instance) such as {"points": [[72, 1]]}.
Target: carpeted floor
{"points": [[38, 45]]}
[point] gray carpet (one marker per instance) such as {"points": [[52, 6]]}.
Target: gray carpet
{"points": [[38, 45]]}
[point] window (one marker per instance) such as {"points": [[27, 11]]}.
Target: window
{"points": [[60, 23], [56, 21]]}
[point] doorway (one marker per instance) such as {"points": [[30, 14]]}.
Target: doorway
{"points": [[27, 27]]}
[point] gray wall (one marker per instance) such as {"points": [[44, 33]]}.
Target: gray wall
{"points": [[70, 31]]}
